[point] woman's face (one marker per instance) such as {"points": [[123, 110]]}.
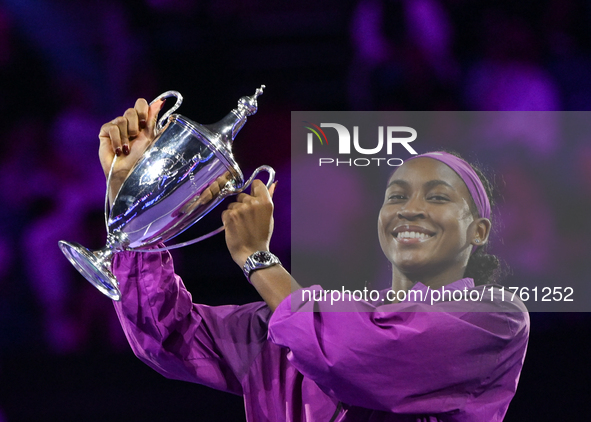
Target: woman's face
{"points": [[425, 225]]}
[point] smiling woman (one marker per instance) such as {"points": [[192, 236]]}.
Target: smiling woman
{"points": [[292, 357], [406, 356], [435, 220]]}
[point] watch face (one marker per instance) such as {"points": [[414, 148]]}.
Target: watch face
{"points": [[262, 257]]}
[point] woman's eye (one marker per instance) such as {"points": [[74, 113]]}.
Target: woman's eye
{"points": [[438, 198], [396, 196]]}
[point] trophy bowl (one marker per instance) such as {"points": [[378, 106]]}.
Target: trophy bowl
{"points": [[185, 173]]}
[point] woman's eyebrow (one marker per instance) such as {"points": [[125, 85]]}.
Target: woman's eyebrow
{"points": [[428, 185], [433, 183], [401, 183]]}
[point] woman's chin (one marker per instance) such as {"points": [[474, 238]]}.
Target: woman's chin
{"points": [[412, 264]]}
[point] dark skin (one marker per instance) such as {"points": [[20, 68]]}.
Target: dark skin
{"points": [[427, 199], [413, 203]]}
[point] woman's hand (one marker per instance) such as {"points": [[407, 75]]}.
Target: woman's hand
{"points": [[127, 137], [249, 225], [248, 222]]}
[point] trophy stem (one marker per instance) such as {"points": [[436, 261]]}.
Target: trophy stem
{"points": [[94, 266]]}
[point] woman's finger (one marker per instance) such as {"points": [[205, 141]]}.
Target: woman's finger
{"points": [[105, 138], [227, 216], [243, 197], [121, 138], [259, 190], [234, 205], [272, 188], [142, 108], [133, 128], [114, 135]]}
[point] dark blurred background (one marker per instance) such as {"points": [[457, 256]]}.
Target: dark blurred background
{"points": [[67, 66]]}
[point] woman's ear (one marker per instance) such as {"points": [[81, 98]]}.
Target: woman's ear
{"points": [[481, 231]]}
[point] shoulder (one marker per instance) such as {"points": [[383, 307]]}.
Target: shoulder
{"points": [[498, 310]]}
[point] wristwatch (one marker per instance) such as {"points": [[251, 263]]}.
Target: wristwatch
{"points": [[258, 261]]}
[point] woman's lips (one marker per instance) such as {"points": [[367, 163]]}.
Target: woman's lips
{"points": [[412, 234]]}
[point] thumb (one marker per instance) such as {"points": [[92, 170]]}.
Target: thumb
{"points": [[272, 188], [259, 190], [153, 115]]}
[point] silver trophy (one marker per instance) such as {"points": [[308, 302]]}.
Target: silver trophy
{"points": [[186, 171]]}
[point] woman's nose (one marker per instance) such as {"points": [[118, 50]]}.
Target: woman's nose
{"points": [[414, 208]]}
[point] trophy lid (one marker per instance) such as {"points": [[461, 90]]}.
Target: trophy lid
{"points": [[221, 135], [229, 126], [214, 141]]}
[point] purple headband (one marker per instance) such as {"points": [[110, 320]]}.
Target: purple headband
{"points": [[468, 175]]}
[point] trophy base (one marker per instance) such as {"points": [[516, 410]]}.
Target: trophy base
{"points": [[92, 267]]}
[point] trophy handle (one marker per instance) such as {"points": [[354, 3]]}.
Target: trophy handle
{"points": [[224, 193], [179, 100], [268, 169]]}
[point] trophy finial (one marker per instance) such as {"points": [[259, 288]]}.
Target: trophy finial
{"points": [[229, 126], [248, 106]]}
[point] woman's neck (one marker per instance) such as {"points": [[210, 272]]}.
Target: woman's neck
{"points": [[405, 281]]}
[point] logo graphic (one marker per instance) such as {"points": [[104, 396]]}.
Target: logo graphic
{"points": [[387, 138], [310, 138], [344, 135]]}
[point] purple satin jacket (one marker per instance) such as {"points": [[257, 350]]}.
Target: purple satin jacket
{"points": [[409, 361]]}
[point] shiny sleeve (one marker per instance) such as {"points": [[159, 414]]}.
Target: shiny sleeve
{"points": [[407, 357], [209, 345]]}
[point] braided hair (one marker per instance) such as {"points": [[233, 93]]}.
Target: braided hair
{"points": [[483, 267]]}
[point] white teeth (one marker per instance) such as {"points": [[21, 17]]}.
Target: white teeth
{"points": [[412, 235]]}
